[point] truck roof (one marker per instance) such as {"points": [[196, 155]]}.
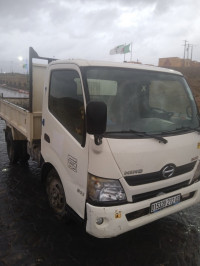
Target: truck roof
{"points": [[81, 63]]}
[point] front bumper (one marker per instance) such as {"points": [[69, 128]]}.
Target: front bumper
{"points": [[115, 217]]}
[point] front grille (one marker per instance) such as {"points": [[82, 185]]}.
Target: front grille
{"points": [[152, 194], [157, 176]]}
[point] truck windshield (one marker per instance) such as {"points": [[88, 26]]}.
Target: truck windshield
{"points": [[141, 101]]}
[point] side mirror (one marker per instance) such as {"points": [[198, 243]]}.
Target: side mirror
{"points": [[96, 118]]}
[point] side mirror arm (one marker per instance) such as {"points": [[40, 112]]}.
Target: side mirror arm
{"points": [[98, 139]]}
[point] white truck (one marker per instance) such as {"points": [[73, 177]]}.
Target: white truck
{"points": [[118, 143]]}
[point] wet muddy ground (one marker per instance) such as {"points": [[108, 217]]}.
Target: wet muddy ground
{"points": [[31, 235]]}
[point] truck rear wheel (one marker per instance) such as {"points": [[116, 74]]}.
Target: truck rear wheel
{"points": [[16, 149], [56, 195], [22, 148], [12, 148]]}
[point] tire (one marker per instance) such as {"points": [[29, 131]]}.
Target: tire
{"points": [[24, 156], [16, 149], [12, 147], [56, 195]]}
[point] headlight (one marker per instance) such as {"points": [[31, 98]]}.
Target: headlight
{"points": [[196, 176], [105, 190]]}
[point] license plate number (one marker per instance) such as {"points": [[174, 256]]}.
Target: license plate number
{"points": [[162, 204]]}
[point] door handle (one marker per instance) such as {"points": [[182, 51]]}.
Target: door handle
{"points": [[47, 138]]}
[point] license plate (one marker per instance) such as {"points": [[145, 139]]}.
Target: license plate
{"points": [[162, 204]]}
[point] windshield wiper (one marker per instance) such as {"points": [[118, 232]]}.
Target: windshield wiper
{"points": [[140, 134], [185, 129], [144, 134]]}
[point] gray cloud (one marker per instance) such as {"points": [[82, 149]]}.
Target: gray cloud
{"points": [[90, 28]]}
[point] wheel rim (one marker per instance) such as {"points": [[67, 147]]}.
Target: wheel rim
{"points": [[56, 196]]}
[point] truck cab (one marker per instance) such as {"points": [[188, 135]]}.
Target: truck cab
{"points": [[120, 143]]}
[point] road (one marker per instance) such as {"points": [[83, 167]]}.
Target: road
{"points": [[31, 235]]}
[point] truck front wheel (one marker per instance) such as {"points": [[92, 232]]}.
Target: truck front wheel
{"points": [[56, 195]]}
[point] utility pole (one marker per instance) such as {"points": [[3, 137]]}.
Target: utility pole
{"points": [[192, 49], [188, 49], [191, 45], [185, 48]]}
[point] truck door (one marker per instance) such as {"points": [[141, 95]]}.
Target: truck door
{"points": [[63, 133]]}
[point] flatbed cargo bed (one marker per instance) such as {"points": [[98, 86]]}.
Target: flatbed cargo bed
{"points": [[24, 115], [14, 112]]}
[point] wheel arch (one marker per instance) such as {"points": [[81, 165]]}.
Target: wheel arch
{"points": [[46, 168], [8, 130], [16, 135]]}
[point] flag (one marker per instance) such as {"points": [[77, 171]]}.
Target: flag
{"points": [[127, 49], [117, 50], [120, 49], [25, 66]]}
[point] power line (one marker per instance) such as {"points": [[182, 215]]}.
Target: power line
{"points": [[188, 50]]}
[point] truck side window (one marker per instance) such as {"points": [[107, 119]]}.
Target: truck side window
{"points": [[66, 101]]}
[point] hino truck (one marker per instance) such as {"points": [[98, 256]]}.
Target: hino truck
{"points": [[118, 143]]}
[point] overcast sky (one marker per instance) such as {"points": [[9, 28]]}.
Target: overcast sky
{"points": [[89, 29]]}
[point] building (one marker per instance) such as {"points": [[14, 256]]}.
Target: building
{"points": [[177, 62]]}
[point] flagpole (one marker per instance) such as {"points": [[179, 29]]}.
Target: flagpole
{"points": [[124, 52], [131, 51]]}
